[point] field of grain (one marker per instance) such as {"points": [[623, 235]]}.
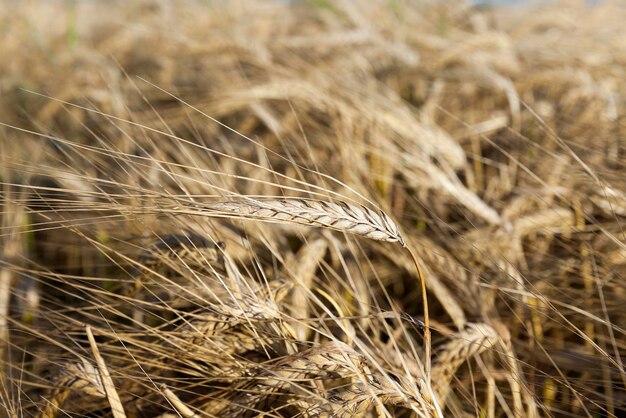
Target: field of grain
{"points": [[232, 209]]}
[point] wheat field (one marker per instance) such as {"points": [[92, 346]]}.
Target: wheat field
{"points": [[312, 208]]}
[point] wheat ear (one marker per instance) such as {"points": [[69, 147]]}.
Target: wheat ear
{"points": [[340, 216], [81, 377], [475, 339], [56, 399]]}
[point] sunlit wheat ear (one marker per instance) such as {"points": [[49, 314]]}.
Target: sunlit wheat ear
{"points": [[79, 377], [340, 216], [465, 344]]}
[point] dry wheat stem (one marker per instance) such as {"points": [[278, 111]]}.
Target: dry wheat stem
{"points": [[109, 388], [180, 407]]}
